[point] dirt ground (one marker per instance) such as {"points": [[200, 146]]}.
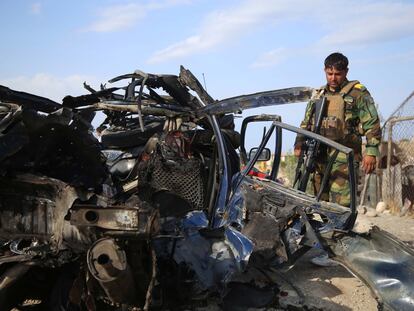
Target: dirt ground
{"points": [[334, 288]]}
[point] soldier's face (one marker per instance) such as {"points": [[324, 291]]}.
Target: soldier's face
{"points": [[335, 77]]}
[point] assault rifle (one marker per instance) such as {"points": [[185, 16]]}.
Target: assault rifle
{"points": [[309, 151]]}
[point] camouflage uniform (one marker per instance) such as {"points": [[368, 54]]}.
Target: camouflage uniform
{"points": [[360, 119]]}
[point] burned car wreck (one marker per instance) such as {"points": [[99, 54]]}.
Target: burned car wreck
{"points": [[158, 214]]}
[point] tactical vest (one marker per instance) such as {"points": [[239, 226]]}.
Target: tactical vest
{"points": [[339, 106]]}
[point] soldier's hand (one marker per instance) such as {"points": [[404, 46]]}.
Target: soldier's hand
{"points": [[368, 164]]}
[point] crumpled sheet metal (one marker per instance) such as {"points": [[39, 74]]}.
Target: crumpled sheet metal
{"points": [[40, 214], [261, 99], [384, 263], [213, 258], [28, 100], [232, 213]]}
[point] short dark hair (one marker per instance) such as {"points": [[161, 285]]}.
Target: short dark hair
{"points": [[337, 61]]}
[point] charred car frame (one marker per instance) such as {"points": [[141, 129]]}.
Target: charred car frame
{"points": [[157, 214]]}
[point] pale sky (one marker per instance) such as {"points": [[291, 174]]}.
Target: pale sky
{"points": [[51, 47]]}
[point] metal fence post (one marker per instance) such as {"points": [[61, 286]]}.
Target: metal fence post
{"points": [[398, 182], [389, 155]]}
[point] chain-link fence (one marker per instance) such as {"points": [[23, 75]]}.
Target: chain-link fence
{"points": [[397, 159]]}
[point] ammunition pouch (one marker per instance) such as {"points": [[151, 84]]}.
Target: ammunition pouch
{"points": [[332, 128], [338, 122]]}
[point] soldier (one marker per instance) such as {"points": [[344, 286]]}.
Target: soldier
{"points": [[350, 114]]}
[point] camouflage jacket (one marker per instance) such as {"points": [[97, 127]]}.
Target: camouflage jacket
{"points": [[362, 120]]}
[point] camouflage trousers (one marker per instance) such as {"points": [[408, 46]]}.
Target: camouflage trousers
{"points": [[338, 188]]}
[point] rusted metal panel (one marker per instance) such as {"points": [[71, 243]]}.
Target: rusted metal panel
{"points": [[107, 218], [117, 221]]}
